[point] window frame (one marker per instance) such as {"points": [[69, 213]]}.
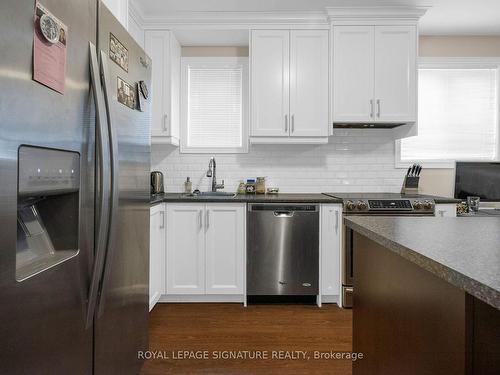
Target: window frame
{"points": [[457, 63], [206, 62]]}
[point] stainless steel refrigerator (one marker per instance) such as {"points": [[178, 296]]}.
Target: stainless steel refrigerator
{"points": [[74, 197]]}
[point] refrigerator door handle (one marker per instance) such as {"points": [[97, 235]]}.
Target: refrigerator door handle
{"points": [[102, 145], [113, 152]]}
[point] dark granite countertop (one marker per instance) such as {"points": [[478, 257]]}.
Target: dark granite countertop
{"points": [[248, 198], [463, 251]]}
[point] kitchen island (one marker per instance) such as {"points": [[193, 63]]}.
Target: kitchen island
{"points": [[426, 295]]}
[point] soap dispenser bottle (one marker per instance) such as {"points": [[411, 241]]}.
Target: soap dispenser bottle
{"points": [[188, 186]]}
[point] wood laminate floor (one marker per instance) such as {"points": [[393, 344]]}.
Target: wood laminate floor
{"points": [[267, 329]]}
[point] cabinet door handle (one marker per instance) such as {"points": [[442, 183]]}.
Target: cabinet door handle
{"points": [[336, 221], [286, 123], [371, 108], [378, 107], [293, 123], [165, 123], [207, 219], [200, 220], [162, 219]]}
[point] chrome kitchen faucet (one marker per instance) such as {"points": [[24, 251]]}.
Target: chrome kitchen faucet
{"points": [[212, 168]]}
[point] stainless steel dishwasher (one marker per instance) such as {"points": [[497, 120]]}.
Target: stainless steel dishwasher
{"points": [[282, 249]]}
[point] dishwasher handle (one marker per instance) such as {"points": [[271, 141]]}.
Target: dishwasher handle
{"points": [[281, 213]]}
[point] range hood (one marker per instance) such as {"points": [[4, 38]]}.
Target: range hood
{"points": [[339, 125]]}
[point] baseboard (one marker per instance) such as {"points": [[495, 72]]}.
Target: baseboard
{"points": [[330, 299], [216, 298]]}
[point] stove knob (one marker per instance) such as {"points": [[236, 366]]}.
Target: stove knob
{"points": [[349, 205], [417, 205], [361, 205], [427, 205]]}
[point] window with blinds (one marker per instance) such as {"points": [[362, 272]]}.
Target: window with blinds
{"points": [[214, 96], [458, 114]]}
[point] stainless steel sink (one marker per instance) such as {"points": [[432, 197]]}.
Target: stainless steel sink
{"points": [[212, 194]]}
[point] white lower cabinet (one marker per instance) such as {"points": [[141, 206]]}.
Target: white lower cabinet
{"points": [[330, 250], [205, 248], [156, 254], [185, 249], [225, 240]]}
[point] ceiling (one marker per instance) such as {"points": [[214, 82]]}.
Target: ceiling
{"points": [[445, 17]]}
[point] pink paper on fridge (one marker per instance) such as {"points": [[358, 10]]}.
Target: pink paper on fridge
{"points": [[49, 59]]}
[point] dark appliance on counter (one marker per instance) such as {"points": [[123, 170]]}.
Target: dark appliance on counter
{"points": [[381, 204], [75, 192], [479, 179]]}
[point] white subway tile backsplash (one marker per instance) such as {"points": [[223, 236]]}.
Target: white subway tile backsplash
{"points": [[354, 160]]}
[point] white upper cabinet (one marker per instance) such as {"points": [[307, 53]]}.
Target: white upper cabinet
{"points": [[224, 251], [309, 83], [353, 80], [165, 52], [270, 58], [120, 10], [374, 74], [289, 86], [395, 73]]}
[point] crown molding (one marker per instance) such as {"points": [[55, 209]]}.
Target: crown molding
{"points": [[375, 13], [245, 19], [237, 18]]}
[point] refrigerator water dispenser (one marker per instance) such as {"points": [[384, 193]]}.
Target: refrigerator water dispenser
{"points": [[47, 209]]}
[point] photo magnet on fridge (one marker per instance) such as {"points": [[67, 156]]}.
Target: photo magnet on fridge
{"points": [[126, 93], [118, 53]]}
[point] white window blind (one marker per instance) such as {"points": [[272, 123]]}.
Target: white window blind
{"points": [[215, 106], [457, 115]]}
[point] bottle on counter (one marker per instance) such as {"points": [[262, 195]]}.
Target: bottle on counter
{"points": [[188, 186], [250, 186]]}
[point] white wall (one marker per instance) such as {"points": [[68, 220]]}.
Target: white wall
{"points": [[354, 160]]}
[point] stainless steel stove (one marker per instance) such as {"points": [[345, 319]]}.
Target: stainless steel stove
{"points": [[386, 204], [382, 204]]}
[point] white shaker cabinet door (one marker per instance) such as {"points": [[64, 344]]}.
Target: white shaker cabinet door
{"points": [[309, 83], [270, 55], [185, 248], [395, 73], [165, 53], [353, 73], [156, 254], [225, 248], [157, 45], [331, 242]]}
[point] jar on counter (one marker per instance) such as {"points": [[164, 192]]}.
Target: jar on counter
{"points": [[250, 186], [260, 186], [242, 188]]}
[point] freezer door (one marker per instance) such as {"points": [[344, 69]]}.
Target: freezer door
{"points": [[121, 322], [43, 305]]}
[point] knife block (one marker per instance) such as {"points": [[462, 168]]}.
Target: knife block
{"points": [[410, 185]]}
